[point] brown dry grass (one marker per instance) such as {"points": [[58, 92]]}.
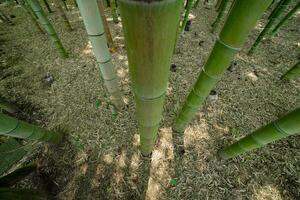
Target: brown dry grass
{"points": [[100, 158]]}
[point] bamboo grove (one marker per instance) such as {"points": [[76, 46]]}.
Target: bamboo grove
{"points": [[151, 30]]}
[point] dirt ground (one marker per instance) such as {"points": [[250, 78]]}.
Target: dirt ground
{"points": [[99, 158]]}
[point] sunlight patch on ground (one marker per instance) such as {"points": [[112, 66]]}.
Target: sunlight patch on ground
{"points": [[267, 192], [88, 49], [160, 165]]}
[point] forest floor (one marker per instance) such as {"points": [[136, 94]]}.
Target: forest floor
{"points": [[99, 158]]}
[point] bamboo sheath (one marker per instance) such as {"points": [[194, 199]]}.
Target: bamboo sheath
{"points": [[273, 19], [13, 127], [240, 21], [285, 19], [94, 27], [293, 72], [281, 128], [106, 27], [34, 4], [114, 11], [150, 30]]}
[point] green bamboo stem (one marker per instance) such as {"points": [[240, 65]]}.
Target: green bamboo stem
{"points": [[94, 27], [218, 4], [63, 15], [285, 19], [196, 3], [8, 106], [150, 31], [278, 7], [186, 14], [220, 16], [13, 127], [281, 128], [34, 4], [221, 6], [32, 16], [270, 24], [293, 72], [110, 41], [240, 21], [114, 11], [47, 6]]}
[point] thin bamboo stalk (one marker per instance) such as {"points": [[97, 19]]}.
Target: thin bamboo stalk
{"points": [[293, 72], [13, 127], [186, 14], [94, 27], [278, 7], [110, 41], [47, 6], [33, 17], [150, 31], [269, 25], [241, 19], [218, 4], [221, 14], [65, 5], [196, 3], [281, 128], [285, 19], [114, 11], [8, 106], [34, 4], [63, 15]]}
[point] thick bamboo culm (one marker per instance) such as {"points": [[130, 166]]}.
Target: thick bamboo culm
{"points": [[221, 13], [63, 15], [106, 27], [240, 21], [285, 19], [150, 30], [293, 72], [47, 6], [94, 27], [270, 24], [114, 13], [8, 106], [281, 128], [13, 127], [32, 16], [189, 5], [35, 6]]}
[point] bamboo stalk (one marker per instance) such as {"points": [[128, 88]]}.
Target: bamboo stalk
{"points": [[114, 11], [186, 14], [150, 31], [218, 4], [293, 72], [47, 6], [63, 15], [285, 19], [65, 5], [94, 27], [33, 17], [8, 106], [106, 27], [281, 128], [269, 25], [13, 127], [278, 7], [221, 14], [34, 4], [240, 21]]}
